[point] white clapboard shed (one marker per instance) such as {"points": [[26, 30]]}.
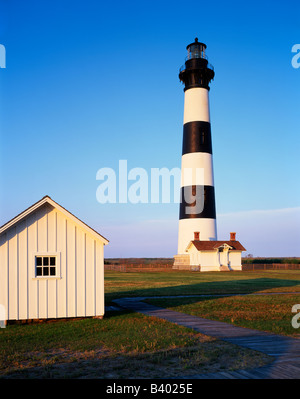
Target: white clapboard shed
{"points": [[51, 265]]}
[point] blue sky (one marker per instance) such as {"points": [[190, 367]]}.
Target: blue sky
{"points": [[89, 83]]}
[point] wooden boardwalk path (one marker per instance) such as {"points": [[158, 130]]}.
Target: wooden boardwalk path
{"points": [[285, 350]]}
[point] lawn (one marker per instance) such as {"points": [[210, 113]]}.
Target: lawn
{"points": [[122, 345], [271, 313], [131, 345], [118, 285]]}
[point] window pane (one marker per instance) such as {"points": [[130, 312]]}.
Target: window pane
{"points": [[52, 261], [38, 261], [45, 261], [45, 265]]}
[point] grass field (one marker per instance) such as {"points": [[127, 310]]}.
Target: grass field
{"points": [[266, 313], [270, 313], [122, 345], [131, 345], [118, 285]]}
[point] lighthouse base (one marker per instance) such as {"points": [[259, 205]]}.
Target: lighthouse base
{"points": [[182, 262]]}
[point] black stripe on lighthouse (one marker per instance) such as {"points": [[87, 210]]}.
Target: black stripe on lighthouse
{"points": [[197, 202], [196, 137]]}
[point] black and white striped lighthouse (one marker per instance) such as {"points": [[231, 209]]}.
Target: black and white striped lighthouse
{"points": [[197, 206]]}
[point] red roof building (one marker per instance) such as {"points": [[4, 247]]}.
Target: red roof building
{"points": [[204, 255]]}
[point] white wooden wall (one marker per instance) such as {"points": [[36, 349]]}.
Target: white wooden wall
{"points": [[235, 260], [212, 260], [77, 292]]}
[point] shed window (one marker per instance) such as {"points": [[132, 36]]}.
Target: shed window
{"points": [[45, 266]]}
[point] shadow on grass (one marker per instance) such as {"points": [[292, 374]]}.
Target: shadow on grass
{"points": [[226, 288]]}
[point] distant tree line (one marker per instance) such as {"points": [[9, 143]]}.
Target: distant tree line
{"points": [[169, 261], [270, 260]]}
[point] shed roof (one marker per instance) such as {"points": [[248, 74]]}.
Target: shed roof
{"points": [[213, 245], [41, 202]]}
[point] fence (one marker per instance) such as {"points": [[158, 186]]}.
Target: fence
{"points": [[139, 268], [270, 266], [134, 267]]}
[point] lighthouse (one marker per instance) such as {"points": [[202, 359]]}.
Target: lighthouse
{"points": [[197, 214]]}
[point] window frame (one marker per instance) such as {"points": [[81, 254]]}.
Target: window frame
{"points": [[48, 255]]}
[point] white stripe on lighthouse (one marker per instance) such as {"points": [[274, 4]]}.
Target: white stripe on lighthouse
{"points": [[187, 227], [196, 105], [197, 169]]}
